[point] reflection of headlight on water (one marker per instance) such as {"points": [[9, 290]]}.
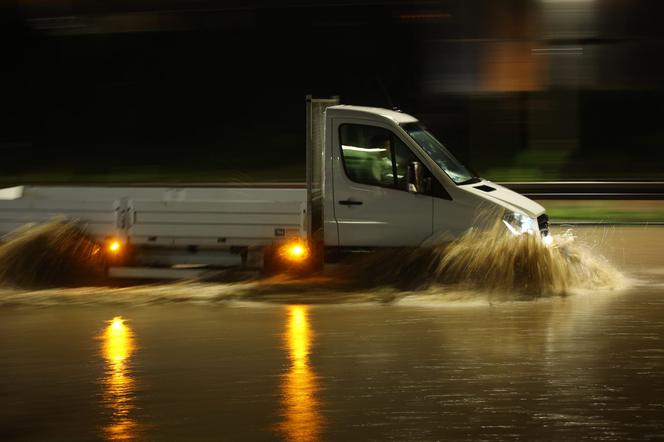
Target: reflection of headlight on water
{"points": [[519, 223]]}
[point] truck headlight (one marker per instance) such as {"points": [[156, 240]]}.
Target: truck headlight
{"points": [[518, 223]]}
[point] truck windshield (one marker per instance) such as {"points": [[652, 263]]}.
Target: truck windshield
{"points": [[443, 157]]}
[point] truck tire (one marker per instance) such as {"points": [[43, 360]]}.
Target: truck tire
{"points": [[270, 262]]}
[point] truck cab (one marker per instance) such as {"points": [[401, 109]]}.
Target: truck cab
{"points": [[388, 182]]}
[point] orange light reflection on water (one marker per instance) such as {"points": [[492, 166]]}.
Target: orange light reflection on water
{"points": [[302, 420], [118, 394]]}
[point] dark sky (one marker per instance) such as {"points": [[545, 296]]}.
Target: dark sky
{"points": [[231, 79], [95, 85]]}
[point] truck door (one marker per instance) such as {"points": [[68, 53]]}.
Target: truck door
{"points": [[372, 205]]}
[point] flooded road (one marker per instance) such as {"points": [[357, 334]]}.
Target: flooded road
{"points": [[195, 362]]}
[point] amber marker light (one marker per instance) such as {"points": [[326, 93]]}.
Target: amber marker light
{"points": [[114, 247], [294, 251]]}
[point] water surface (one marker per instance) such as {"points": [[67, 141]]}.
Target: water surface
{"points": [[419, 366]]}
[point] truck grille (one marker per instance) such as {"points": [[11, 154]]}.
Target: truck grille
{"points": [[543, 224]]}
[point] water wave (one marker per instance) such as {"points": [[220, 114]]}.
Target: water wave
{"points": [[56, 253], [494, 261], [482, 266]]}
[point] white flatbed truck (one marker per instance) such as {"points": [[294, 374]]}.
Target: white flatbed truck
{"points": [[375, 178]]}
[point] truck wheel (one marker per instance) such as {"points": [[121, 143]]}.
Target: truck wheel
{"points": [[270, 262]]}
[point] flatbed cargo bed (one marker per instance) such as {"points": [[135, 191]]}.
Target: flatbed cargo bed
{"points": [[205, 217]]}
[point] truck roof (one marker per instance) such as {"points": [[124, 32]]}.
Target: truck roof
{"points": [[396, 116]]}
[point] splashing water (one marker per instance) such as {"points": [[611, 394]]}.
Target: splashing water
{"points": [[496, 261], [55, 253], [483, 262]]}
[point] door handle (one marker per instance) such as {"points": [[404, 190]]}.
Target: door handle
{"points": [[350, 203]]}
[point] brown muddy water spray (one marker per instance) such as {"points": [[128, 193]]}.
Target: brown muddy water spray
{"points": [[494, 261], [55, 253]]}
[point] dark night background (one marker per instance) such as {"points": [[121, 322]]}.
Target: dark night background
{"points": [[174, 90]]}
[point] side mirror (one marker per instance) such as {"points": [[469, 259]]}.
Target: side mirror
{"points": [[416, 180]]}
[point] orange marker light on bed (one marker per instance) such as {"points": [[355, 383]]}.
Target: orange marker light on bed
{"points": [[114, 247], [294, 251]]}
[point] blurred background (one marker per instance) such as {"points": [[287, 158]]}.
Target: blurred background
{"points": [[204, 90]]}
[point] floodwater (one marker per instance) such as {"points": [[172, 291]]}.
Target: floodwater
{"points": [[192, 362]]}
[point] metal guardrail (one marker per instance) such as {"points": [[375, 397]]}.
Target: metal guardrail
{"points": [[590, 190]]}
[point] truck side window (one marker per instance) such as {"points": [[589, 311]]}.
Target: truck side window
{"points": [[375, 156]]}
